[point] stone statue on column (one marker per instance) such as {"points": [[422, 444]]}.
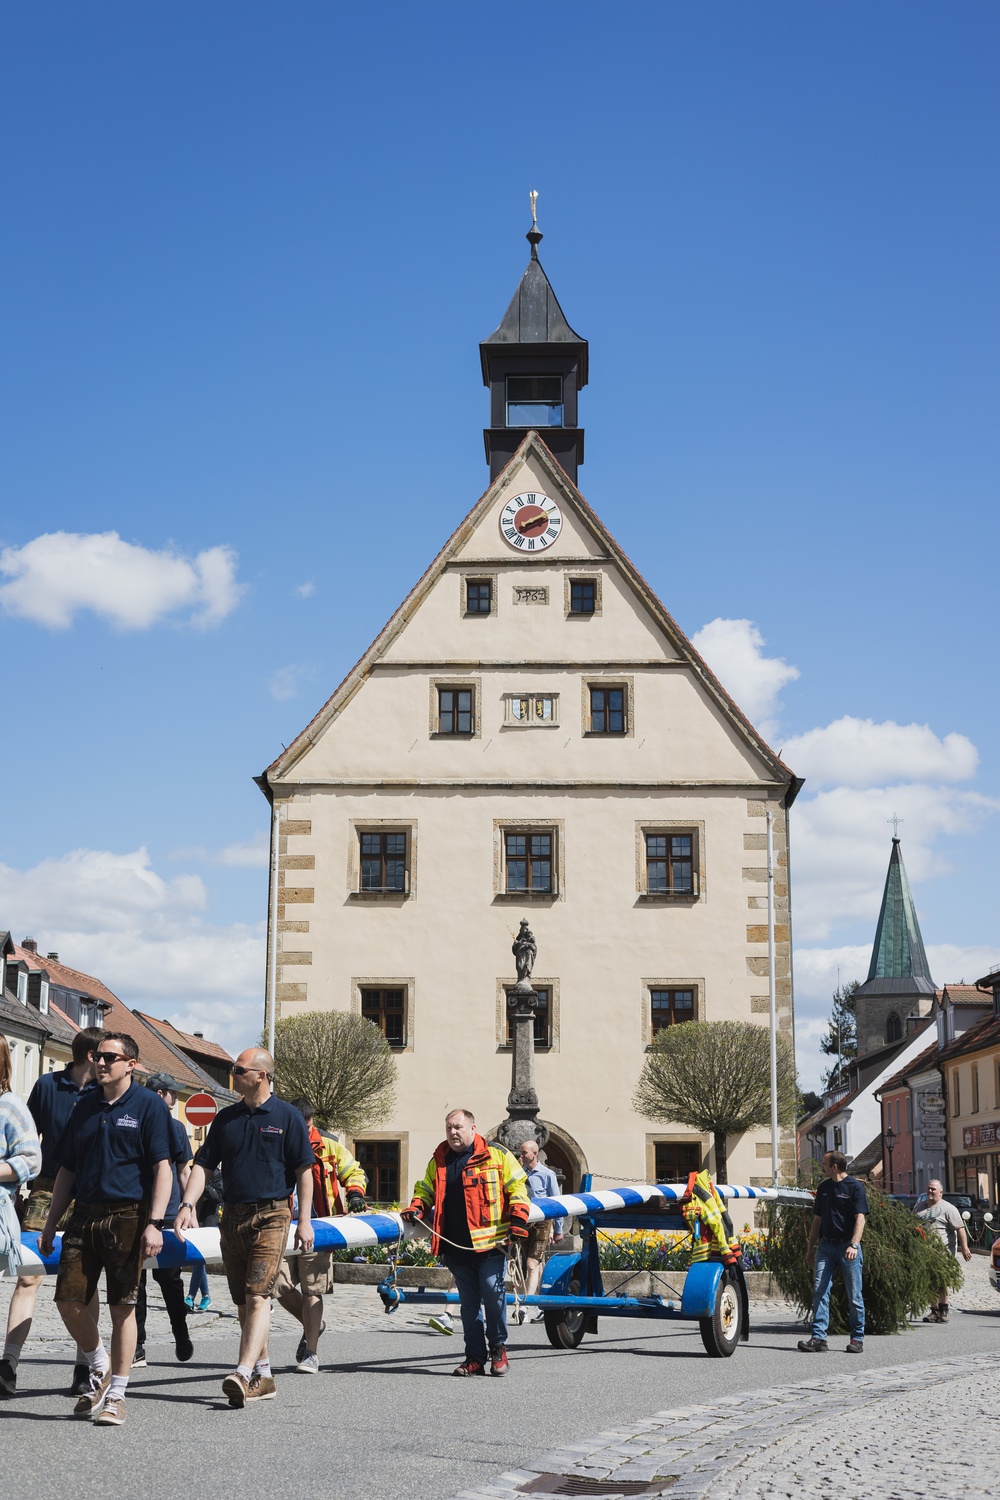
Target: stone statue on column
{"points": [[522, 1123]]}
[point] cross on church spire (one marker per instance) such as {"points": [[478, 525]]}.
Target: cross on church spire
{"points": [[895, 825]]}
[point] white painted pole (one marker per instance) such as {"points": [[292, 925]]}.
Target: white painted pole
{"points": [[772, 997], [272, 953]]}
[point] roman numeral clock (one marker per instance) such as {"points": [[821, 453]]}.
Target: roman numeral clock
{"points": [[530, 523]]}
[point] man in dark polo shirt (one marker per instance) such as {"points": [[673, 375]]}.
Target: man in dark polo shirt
{"points": [[168, 1278], [51, 1102], [839, 1214], [114, 1160], [263, 1147]]}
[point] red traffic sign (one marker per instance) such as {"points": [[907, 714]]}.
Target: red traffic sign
{"points": [[201, 1109]]}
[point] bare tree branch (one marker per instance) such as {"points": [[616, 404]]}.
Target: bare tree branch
{"points": [[716, 1076], [341, 1062]]}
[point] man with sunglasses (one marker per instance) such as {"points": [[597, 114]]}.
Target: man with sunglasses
{"points": [[114, 1161], [263, 1147]]}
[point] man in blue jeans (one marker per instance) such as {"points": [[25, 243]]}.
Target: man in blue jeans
{"points": [[839, 1215]]}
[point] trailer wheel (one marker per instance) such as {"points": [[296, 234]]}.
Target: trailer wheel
{"points": [[565, 1326], [721, 1332]]}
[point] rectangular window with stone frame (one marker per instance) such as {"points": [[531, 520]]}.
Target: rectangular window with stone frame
{"points": [[543, 1018], [608, 710], [478, 596], [383, 861], [670, 1007], [456, 711], [380, 1161], [529, 861], [386, 1009], [671, 862], [676, 1160]]}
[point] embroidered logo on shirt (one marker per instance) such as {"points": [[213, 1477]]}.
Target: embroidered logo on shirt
{"points": [[271, 1130], [128, 1121]]}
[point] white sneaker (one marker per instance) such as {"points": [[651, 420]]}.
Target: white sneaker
{"points": [[308, 1364], [443, 1324]]}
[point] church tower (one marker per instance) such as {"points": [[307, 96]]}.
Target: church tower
{"points": [[535, 366], [899, 983]]}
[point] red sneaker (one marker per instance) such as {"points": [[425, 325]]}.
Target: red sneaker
{"points": [[499, 1363], [469, 1367]]}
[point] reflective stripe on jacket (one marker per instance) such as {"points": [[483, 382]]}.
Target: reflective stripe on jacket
{"points": [[335, 1167], [496, 1193]]}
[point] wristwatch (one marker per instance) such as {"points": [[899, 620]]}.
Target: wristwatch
{"points": [[187, 1205], [157, 1224]]}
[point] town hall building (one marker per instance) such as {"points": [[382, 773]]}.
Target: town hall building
{"points": [[532, 735]]}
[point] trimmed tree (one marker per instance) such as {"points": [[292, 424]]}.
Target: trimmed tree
{"points": [[716, 1076], [341, 1062]]}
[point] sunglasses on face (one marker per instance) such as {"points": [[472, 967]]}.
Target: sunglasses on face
{"points": [[109, 1058], [239, 1072]]}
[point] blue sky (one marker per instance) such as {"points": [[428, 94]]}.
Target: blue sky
{"points": [[228, 232]]}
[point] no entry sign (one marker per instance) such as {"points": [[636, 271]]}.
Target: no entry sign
{"points": [[201, 1109]]}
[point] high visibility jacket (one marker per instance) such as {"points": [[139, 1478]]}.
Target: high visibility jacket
{"points": [[711, 1227], [496, 1193], [335, 1167]]}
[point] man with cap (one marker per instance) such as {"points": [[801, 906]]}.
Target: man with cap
{"points": [[168, 1278], [263, 1148]]}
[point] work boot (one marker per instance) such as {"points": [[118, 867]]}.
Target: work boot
{"points": [[499, 1363], [942, 1312], [933, 1316], [469, 1367], [112, 1413], [856, 1346], [814, 1346], [80, 1384], [94, 1395], [8, 1378]]}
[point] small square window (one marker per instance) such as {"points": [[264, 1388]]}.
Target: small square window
{"points": [[528, 861], [608, 710], [543, 1018], [456, 711], [670, 1008], [676, 1160], [386, 1009], [582, 596], [384, 862], [478, 596], [380, 1162]]}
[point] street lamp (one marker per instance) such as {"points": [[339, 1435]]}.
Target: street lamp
{"points": [[890, 1141]]}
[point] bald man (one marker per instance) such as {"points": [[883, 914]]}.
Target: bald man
{"points": [[262, 1145]]}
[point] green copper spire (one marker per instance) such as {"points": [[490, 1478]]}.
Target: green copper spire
{"points": [[899, 949]]}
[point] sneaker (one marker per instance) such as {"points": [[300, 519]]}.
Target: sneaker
{"points": [[139, 1357], [856, 1346], [263, 1388], [205, 1303], [80, 1384], [183, 1346], [189, 1303], [236, 1388], [8, 1378], [112, 1413], [537, 1316], [308, 1364], [443, 1324], [301, 1350], [814, 1346], [499, 1363], [93, 1396], [470, 1367]]}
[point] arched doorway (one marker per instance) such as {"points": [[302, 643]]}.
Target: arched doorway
{"points": [[564, 1156]]}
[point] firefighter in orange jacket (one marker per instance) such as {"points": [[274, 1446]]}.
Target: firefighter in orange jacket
{"points": [[479, 1197]]}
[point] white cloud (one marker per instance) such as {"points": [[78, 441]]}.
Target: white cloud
{"points": [[251, 854], [287, 681], [58, 574], [840, 846], [734, 649], [147, 938], [305, 589], [861, 753]]}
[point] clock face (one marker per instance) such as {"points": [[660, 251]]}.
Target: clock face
{"points": [[531, 523]]}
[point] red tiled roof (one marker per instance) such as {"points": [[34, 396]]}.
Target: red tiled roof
{"points": [[185, 1040], [984, 1034], [965, 994], [920, 1061], [155, 1055]]}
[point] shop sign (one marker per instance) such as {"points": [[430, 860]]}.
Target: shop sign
{"points": [[979, 1135]]}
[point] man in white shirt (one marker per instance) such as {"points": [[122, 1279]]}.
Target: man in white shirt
{"points": [[944, 1219]]}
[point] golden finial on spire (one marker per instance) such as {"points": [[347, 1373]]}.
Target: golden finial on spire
{"points": [[534, 208]]}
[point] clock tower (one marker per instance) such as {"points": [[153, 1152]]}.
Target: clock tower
{"points": [[535, 366]]}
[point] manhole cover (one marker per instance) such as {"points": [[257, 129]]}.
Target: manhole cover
{"points": [[576, 1484]]}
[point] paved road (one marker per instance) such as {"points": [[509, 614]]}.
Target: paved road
{"points": [[385, 1420]]}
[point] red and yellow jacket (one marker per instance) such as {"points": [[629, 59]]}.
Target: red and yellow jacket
{"points": [[335, 1167], [496, 1193]]}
